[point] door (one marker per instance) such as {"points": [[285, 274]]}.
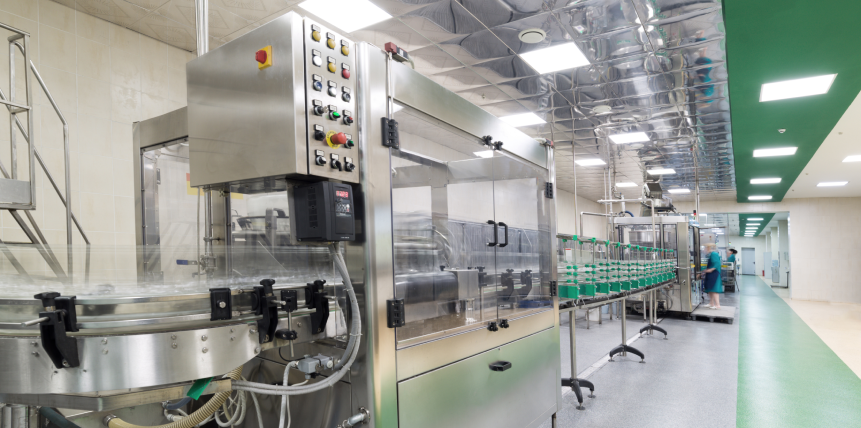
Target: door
{"points": [[471, 231], [748, 261]]}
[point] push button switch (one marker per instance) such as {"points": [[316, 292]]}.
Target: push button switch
{"points": [[339, 139]]}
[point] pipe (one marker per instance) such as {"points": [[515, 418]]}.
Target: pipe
{"points": [[178, 405], [595, 214], [111, 421], [56, 418], [630, 213], [201, 23]]}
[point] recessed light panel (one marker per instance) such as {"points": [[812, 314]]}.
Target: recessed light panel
{"points": [[832, 184], [484, 154], [853, 158], [796, 88], [783, 151], [661, 171], [626, 184], [632, 137], [755, 219], [348, 15], [525, 119], [558, 57], [679, 190], [589, 162], [764, 180], [759, 198]]}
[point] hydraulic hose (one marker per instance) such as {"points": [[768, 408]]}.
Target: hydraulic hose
{"points": [[349, 354], [193, 419], [56, 418]]}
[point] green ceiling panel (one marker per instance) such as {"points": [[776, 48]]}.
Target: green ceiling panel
{"points": [[771, 41], [744, 219]]}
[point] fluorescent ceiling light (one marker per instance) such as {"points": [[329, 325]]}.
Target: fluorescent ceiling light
{"points": [[679, 190], [754, 224], [661, 171], [783, 151], [632, 137], [558, 57], [832, 184], [755, 219], [484, 154], [589, 162], [626, 184], [796, 88], [525, 119], [348, 15], [764, 180], [759, 198], [853, 158]]}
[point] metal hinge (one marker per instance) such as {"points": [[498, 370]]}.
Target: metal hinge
{"points": [[395, 314], [390, 133], [548, 190], [553, 289]]}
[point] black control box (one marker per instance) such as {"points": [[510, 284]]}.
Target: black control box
{"points": [[325, 212]]}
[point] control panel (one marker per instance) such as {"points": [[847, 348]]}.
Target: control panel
{"points": [[324, 212], [330, 91]]}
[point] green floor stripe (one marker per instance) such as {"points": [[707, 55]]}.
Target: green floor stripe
{"points": [[787, 376]]}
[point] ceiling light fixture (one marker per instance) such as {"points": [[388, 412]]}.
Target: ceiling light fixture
{"points": [[783, 151], [589, 162], [759, 198], [484, 154], [764, 180], [679, 190], [523, 119], [796, 88], [754, 224], [853, 158], [348, 15], [832, 184], [755, 219], [661, 171], [631, 137], [559, 57], [626, 184]]}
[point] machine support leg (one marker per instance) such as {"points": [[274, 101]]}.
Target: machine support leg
{"points": [[572, 382], [653, 318], [624, 348], [600, 315], [553, 421]]}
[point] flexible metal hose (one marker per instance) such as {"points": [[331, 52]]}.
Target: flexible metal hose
{"points": [[193, 419]]}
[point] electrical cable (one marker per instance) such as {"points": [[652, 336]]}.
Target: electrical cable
{"points": [[342, 368]]}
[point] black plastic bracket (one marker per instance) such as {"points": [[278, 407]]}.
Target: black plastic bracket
{"points": [[500, 366], [391, 137], [503, 323], [492, 326], [497, 145], [286, 334], [315, 298], [62, 318], [553, 289], [548, 190], [526, 283], [290, 299], [220, 304], [264, 305], [395, 315], [487, 140]]}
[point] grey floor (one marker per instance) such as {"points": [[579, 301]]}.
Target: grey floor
{"points": [[688, 380]]}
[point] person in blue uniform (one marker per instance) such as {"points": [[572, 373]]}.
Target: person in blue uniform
{"points": [[732, 253], [712, 283]]}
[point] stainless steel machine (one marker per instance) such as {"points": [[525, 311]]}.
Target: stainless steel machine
{"points": [[674, 232], [319, 213]]}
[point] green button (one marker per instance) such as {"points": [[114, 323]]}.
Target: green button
{"points": [[350, 143], [336, 114]]}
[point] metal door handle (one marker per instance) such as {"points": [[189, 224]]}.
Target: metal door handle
{"points": [[495, 234], [500, 366], [506, 233]]}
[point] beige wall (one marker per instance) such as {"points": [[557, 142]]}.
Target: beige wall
{"points": [[757, 243], [566, 215], [822, 230], [104, 77]]}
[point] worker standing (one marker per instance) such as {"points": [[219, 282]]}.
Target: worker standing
{"points": [[712, 283]]}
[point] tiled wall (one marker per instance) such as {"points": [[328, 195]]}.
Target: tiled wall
{"points": [[822, 232], [104, 77]]}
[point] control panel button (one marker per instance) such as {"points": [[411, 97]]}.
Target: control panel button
{"points": [[348, 120], [333, 91], [339, 139], [318, 61], [350, 144], [320, 160], [330, 43], [318, 85], [319, 110], [315, 35], [334, 115], [264, 57], [345, 73], [261, 56], [346, 96], [345, 50], [331, 67], [319, 134]]}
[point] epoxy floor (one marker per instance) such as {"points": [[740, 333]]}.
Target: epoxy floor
{"points": [[785, 376]]}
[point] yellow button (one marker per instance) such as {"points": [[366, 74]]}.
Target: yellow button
{"points": [[345, 50], [331, 43], [332, 67], [315, 35]]}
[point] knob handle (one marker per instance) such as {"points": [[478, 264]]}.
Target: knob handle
{"points": [[47, 298]]}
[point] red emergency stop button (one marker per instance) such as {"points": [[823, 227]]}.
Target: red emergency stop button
{"points": [[345, 73], [264, 57], [261, 56], [339, 139]]}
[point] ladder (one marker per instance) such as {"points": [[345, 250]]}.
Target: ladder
{"points": [[18, 194]]}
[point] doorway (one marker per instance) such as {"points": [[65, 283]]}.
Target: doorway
{"points": [[748, 261]]}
